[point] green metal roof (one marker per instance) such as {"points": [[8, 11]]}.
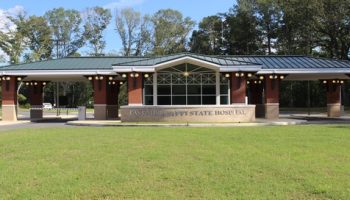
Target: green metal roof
{"points": [[151, 61], [292, 62], [73, 63], [106, 63]]}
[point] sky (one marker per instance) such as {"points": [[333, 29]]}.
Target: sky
{"points": [[195, 9]]}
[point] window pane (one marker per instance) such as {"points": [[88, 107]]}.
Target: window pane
{"points": [[223, 100], [164, 100], [163, 89], [148, 89], [223, 89], [209, 89], [194, 100], [209, 100], [179, 89], [179, 100], [148, 100], [194, 89]]}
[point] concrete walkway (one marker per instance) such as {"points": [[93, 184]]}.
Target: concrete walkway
{"points": [[259, 122], [70, 121], [284, 120]]}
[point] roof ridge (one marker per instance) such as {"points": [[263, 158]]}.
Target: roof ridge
{"points": [[207, 58], [154, 57]]}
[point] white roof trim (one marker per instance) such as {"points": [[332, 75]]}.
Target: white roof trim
{"points": [[189, 60], [305, 71]]}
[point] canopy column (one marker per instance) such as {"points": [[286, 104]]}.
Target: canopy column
{"points": [[9, 98], [135, 89], [256, 89], [106, 90], [238, 88], [271, 100], [333, 99], [112, 99], [36, 99]]}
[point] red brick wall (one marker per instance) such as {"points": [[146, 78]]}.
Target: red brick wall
{"points": [[272, 90], [135, 89], [100, 90], [105, 92], [238, 89], [9, 91], [36, 94], [333, 93]]}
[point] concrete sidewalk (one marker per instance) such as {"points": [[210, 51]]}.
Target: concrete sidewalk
{"points": [[259, 122]]}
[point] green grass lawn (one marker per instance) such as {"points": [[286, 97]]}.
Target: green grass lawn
{"points": [[290, 162]]}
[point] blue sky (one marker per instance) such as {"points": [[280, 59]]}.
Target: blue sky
{"points": [[196, 9]]}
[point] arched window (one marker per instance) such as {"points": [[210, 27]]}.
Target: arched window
{"points": [[186, 84]]}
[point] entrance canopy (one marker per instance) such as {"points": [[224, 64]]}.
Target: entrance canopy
{"points": [[191, 83], [76, 68]]}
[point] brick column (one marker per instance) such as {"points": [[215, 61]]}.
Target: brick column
{"points": [[238, 88], [135, 89], [99, 84], [333, 99], [256, 97], [36, 99], [9, 98], [112, 99], [272, 92], [106, 91]]}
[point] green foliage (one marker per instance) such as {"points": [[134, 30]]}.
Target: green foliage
{"points": [[295, 94], [134, 31], [242, 35], [208, 38], [97, 20], [333, 22], [128, 23], [21, 98], [66, 29], [123, 95], [38, 33], [12, 40], [77, 93], [171, 30]]}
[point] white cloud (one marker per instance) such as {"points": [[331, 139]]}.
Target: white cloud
{"points": [[6, 25], [119, 4], [16, 10]]}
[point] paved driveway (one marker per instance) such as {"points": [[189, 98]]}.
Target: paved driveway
{"points": [[27, 124]]}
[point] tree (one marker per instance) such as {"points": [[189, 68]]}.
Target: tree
{"points": [[38, 34], [333, 23], [296, 34], [12, 40], [127, 23], [242, 35], [208, 38], [268, 14], [143, 41], [97, 20], [134, 31], [171, 30], [66, 28]]}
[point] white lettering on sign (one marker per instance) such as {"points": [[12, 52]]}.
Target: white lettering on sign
{"points": [[181, 113]]}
